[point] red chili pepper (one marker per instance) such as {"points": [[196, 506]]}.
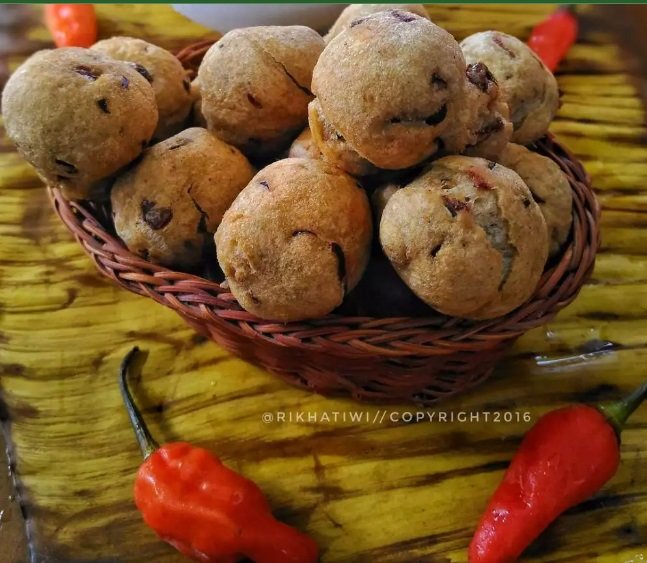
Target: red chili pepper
{"points": [[71, 25], [205, 510], [553, 37], [566, 457]]}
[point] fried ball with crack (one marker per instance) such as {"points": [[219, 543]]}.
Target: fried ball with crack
{"points": [[394, 107], [255, 85], [296, 240], [529, 88], [78, 117], [466, 237], [167, 207]]}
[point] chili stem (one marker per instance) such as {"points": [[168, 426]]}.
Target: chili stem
{"points": [[617, 413], [146, 442]]}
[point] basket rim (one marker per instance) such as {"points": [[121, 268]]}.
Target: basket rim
{"points": [[205, 301]]}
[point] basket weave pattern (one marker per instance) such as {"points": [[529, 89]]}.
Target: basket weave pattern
{"points": [[419, 360]]}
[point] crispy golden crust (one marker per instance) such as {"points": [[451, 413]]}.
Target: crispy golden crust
{"points": [[295, 240], [357, 11], [172, 202], [549, 187], [394, 106], [78, 116], [166, 75], [527, 85], [255, 85], [466, 237]]}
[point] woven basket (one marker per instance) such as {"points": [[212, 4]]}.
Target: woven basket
{"points": [[419, 360]]}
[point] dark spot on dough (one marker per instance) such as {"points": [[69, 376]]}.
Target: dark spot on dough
{"points": [[143, 71], [437, 117], [433, 119], [480, 75], [144, 253], [454, 205], [358, 21], [491, 164], [537, 59], [490, 128], [538, 199], [155, 217], [526, 202], [508, 76], [291, 78], [518, 120], [253, 297], [220, 44], [303, 232], [495, 226], [124, 83], [341, 261], [498, 41], [339, 137], [405, 17], [265, 185], [103, 105], [478, 180], [202, 227], [180, 143], [87, 72], [69, 168], [186, 84], [252, 100], [435, 250], [437, 81]]}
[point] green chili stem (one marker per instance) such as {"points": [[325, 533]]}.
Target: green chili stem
{"points": [[146, 442], [617, 413]]}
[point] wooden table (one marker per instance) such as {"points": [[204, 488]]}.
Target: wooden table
{"points": [[390, 492]]}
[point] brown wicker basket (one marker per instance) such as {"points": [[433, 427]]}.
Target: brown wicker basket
{"points": [[419, 360]]}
